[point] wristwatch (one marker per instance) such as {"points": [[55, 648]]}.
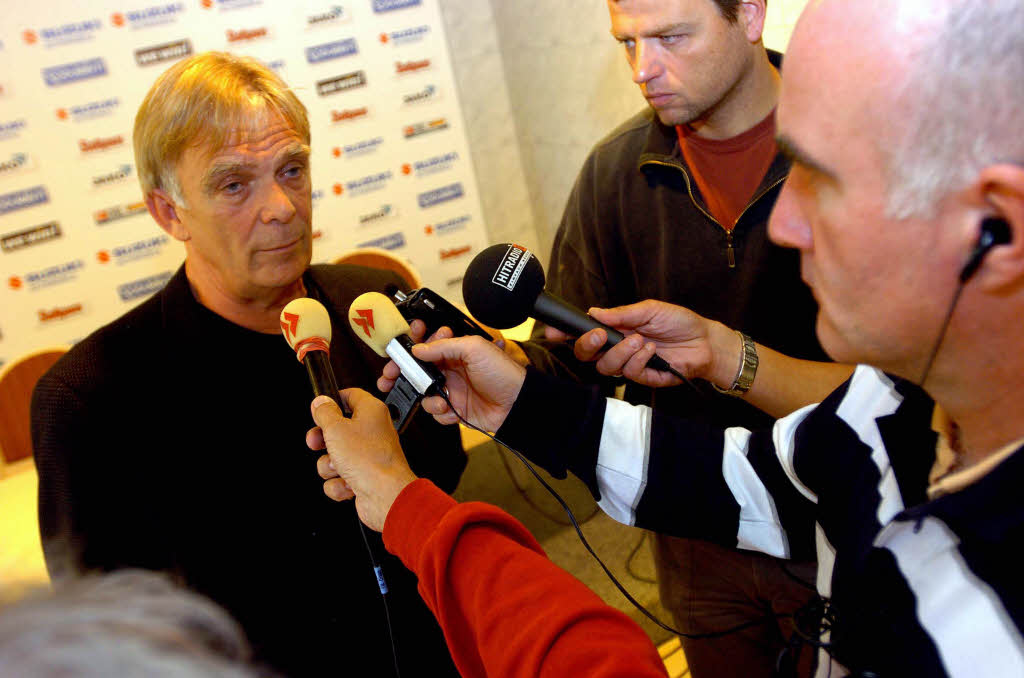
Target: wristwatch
{"points": [[748, 368]]}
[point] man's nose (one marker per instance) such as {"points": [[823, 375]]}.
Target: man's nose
{"points": [[646, 65], [788, 225], [277, 205]]}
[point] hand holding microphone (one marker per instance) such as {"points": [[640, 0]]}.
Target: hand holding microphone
{"points": [[504, 285]]}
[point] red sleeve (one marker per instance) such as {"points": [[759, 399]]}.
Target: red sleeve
{"points": [[506, 610]]}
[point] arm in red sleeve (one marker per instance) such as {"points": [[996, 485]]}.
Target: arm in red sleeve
{"points": [[506, 610]]}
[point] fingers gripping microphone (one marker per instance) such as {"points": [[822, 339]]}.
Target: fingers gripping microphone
{"points": [[378, 322], [306, 326], [504, 285]]}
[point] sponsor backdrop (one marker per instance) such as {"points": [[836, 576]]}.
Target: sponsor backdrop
{"points": [[391, 163]]}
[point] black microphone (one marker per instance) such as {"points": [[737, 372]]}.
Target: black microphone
{"points": [[504, 285], [306, 326]]}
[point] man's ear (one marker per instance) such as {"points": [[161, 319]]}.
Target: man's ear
{"points": [[1002, 190], [161, 206], [751, 16]]}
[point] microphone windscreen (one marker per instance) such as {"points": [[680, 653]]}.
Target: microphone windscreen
{"points": [[501, 285], [303, 319], [376, 320]]}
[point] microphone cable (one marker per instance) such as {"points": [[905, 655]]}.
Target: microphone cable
{"points": [[572, 519], [382, 586]]}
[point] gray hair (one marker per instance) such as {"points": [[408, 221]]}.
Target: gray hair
{"points": [[130, 623], [963, 100]]}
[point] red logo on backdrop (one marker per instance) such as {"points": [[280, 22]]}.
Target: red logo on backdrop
{"points": [[14, 282], [62, 114], [317, 234], [103, 256], [365, 320], [454, 252], [117, 19], [428, 229], [246, 34], [338, 189], [406, 169], [336, 151], [59, 312], [349, 114], [207, 4], [411, 66], [89, 145], [384, 38], [30, 37]]}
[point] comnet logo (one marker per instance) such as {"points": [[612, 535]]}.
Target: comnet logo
{"points": [[143, 287], [16, 162], [47, 277], [405, 36], [140, 249], [383, 213], [336, 14], [117, 212], [89, 111], [120, 175], [64, 34], [157, 15], [64, 74], [420, 96]]}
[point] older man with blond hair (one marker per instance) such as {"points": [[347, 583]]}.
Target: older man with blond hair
{"points": [[170, 439]]}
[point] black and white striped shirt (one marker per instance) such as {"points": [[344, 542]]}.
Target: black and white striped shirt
{"points": [[917, 587]]}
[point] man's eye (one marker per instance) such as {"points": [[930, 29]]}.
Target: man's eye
{"points": [[294, 172], [233, 187], [671, 39]]}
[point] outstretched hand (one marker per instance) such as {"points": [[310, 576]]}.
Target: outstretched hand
{"points": [[364, 457], [690, 343]]}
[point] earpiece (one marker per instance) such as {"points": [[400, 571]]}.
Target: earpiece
{"points": [[994, 231]]}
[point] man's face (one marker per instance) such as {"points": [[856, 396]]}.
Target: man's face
{"points": [[247, 220], [882, 284], [687, 58]]}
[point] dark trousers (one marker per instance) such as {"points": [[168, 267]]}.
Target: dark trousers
{"points": [[709, 588]]}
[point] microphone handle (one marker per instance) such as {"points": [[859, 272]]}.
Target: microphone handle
{"points": [[321, 377], [562, 315]]}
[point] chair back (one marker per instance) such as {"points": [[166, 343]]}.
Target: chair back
{"points": [[378, 257], [17, 379]]}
